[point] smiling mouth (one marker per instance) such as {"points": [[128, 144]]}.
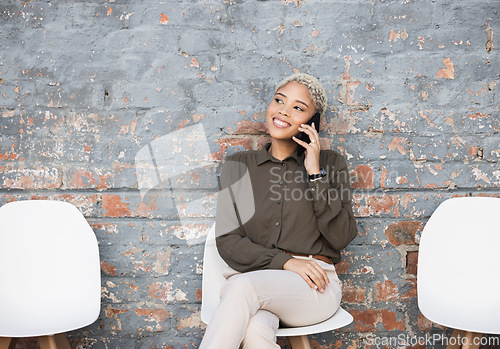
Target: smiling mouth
{"points": [[280, 123]]}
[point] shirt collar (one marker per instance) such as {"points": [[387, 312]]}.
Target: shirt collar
{"points": [[263, 155]]}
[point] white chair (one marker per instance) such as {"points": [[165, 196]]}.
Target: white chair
{"points": [[458, 267], [49, 272], [213, 280]]}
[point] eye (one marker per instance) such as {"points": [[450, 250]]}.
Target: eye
{"points": [[299, 108], [277, 100]]}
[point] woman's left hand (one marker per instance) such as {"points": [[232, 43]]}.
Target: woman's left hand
{"points": [[311, 161]]}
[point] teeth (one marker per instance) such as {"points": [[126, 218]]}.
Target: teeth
{"points": [[281, 123]]}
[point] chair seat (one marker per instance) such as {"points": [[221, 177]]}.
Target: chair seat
{"points": [[340, 319]]}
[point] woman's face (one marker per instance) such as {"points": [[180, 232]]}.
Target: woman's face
{"points": [[291, 106]]}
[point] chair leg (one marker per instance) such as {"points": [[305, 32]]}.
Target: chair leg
{"points": [[58, 341], [464, 340], [299, 342], [472, 342], [7, 342], [62, 341], [457, 344]]}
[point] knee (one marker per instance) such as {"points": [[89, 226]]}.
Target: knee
{"points": [[259, 329], [261, 332]]}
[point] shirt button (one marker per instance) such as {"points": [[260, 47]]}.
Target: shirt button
{"points": [[283, 164], [281, 182], [277, 224], [278, 202], [273, 246], [313, 188]]}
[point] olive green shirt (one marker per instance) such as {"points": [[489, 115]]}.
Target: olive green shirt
{"points": [[266, 205]]}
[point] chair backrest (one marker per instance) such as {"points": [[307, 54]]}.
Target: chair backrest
{"points": [[213, 279], [459, 263], [49, 269]]}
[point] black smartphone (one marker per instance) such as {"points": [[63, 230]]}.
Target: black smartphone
{"points": [[302, 135]]}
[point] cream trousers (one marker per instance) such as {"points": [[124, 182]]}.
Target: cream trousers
{"points": [[254, 304]]}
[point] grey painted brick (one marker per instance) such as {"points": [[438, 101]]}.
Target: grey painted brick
{"points": [[86, 85]]}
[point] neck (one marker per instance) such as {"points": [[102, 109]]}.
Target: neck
{"points": [[282, 149]]}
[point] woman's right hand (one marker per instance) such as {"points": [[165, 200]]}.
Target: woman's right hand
{"points": [[310, 271]]}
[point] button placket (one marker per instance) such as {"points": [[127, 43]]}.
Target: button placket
{"points": [[278, 208]]}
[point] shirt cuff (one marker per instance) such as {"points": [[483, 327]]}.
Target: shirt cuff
{"points": [[324, 197], [279, 260], [319, 184]]}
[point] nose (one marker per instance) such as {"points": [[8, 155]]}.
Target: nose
{"points": [[283, 111]]}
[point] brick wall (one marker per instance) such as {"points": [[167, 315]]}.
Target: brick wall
{"points": [[85, 85]]}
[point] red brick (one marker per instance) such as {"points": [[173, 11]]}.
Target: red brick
{"points": [[398, 144], [108, 268], [343, 124], [477, 115], [249, 127], [375, 205], [385, 291], [342, 267], [199, 294], [10, 155], [390, 322], [412, 262], [225, 143], [158, 315], [403, 233], [412, 291], [353, 294], [83, 178], [262, 141], [364, 320], [363, 175], [425, 324], [24, 178], [114, 206], [113, 312]]}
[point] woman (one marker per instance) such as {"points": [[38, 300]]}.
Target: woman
{"points": [[283, 215]]}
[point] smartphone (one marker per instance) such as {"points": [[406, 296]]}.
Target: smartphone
{"points": [[302, 135]]}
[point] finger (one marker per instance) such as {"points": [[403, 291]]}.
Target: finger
{"points": [[302, 143], [308, 280], [311, 128], [312, 136], [321, 272], [310, 131], [318, 280]]}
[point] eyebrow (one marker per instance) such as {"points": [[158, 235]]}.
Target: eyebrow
{"points": [[298, 100]]}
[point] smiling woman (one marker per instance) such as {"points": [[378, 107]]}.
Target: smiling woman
{"points": [[281, 246]]}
